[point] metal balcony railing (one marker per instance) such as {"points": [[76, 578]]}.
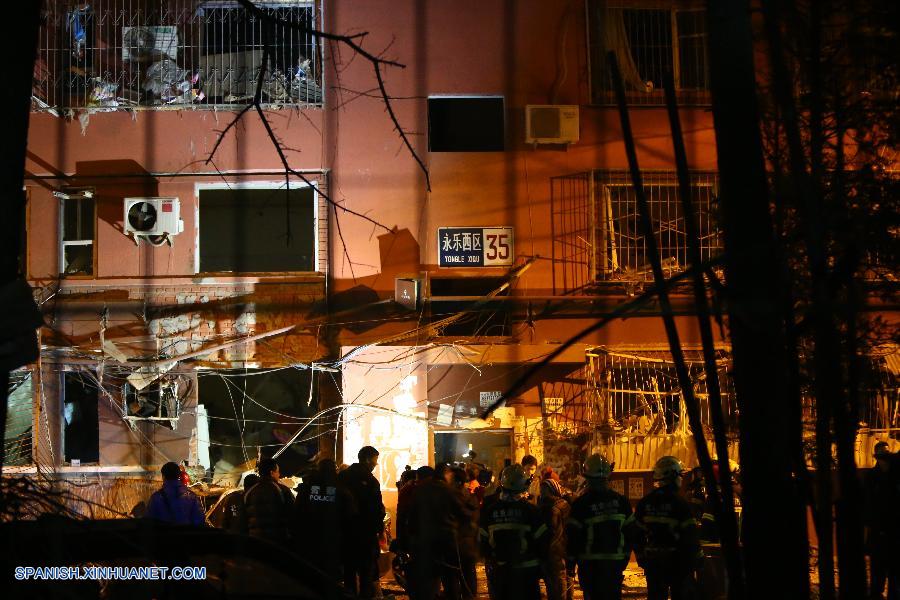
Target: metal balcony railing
{"points": [[596, 229], [131, 54]]}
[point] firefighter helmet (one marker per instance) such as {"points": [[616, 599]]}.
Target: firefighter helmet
{"points": [[667, 469], [597, 467], [513, 479]]}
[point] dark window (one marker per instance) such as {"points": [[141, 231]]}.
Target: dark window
{"points": [[77, 232], [257, 230], [491, 319], [466, 124], [648, 43], [81, 425]]}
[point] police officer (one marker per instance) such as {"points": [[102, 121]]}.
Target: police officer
{"points": [[596, 539], [511, 533], [665, 535], [322, 511]]}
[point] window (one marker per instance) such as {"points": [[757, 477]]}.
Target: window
{"points": [[120, 54], [648, 43], [81, 424], [466, 124], [258, 229], [19, 419], [76, 246], [597, 232]]}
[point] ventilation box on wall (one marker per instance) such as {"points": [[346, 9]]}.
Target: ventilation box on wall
{"points": [[551, 124]]}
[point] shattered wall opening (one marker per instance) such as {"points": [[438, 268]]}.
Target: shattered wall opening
{"points": [[81, 423], [254, 412]]}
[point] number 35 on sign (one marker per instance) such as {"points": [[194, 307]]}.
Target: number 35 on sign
{"points": [[475, 246]]}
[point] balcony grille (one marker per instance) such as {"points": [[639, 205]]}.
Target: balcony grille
{"points": [[596, 229], [649, 40], [132, 54]]}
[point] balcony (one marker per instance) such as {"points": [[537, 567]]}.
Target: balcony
{"points": [[175, 54]]}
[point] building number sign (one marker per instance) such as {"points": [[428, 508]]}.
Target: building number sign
{"points": [[475, 246]]}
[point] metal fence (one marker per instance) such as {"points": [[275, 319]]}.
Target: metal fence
{"points": [[131, 54], [649, 39], [596, 229]]}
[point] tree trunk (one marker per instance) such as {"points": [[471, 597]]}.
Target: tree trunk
{"points": [[775, 547]]}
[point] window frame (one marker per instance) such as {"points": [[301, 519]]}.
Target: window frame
{"points": [[318, 267], [62, 244], [605, 97], [503, 102]]}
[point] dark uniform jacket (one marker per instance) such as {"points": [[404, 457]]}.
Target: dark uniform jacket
{"points": [[555, 513], [366, 492], [596, 527], [269, 506], [323, 511], [882, 498], [512, 533], [663, 529], [436, 515], [234, 514]]}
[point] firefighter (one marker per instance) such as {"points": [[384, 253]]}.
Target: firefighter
{"points": [[665, 535], [882, 488], [596, 539], [511, 533]]}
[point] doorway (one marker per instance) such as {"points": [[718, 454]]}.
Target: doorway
{"points": [[493, 448]]}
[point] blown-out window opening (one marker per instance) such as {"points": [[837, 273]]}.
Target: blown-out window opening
{"points": [[598, 237], [131, 54]]}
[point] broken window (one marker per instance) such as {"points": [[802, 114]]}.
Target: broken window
{"points": [[19, 419], [466, 124], [490, 319], [159, 402], [76, 247], [252, 410], [256, 230], [648, 43], [120, 54], [81, 424], [598, 235]]}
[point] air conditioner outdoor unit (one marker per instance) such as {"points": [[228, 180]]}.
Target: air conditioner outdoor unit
{"points": [[155, 219], [551, 124]]}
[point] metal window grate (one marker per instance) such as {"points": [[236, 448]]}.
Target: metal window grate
{"points": [[132, 54], [596, 228], [649, 40], [638, 390]]}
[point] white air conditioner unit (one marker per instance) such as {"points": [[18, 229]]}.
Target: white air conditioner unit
{"points": [[155, 219], [551, 124]]}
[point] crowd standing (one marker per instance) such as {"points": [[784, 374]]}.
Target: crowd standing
{"points": [[525, 526]]}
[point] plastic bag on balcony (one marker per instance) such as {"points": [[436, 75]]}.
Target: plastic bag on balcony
{"points": [[275, 88], [303, 87], [171, 84], [103, 93]]}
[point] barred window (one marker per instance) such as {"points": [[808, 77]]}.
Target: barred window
{"points": [[128, 54], [648, 43], [597, 233]]}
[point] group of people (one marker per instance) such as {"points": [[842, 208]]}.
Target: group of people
{"points": [[526, 526], [531, 528]]}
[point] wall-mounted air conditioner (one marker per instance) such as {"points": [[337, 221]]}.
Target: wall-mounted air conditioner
{"points": [[551, 124], [157, 220]]}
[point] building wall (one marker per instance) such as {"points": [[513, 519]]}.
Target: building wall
{"points": [[529, 51]]}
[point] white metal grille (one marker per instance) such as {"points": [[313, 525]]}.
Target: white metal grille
{"points": [[130, 54], [597, 235], [649, 39], [638, 390]]}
